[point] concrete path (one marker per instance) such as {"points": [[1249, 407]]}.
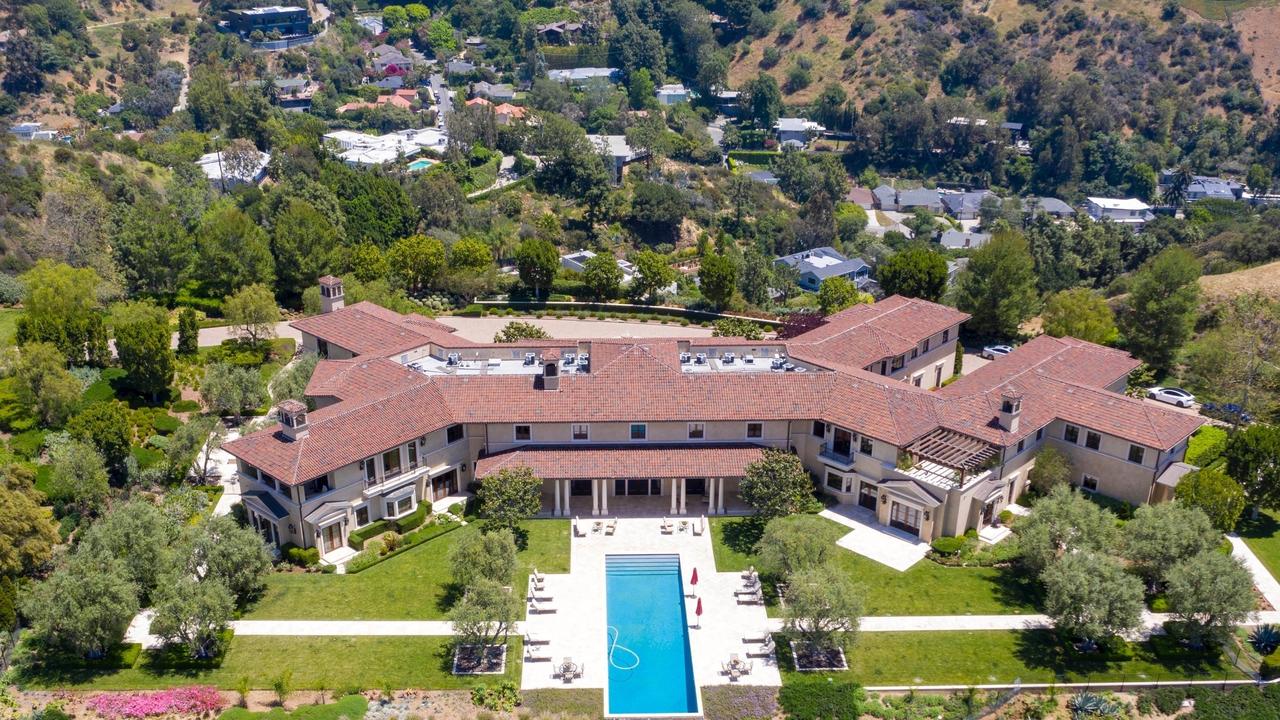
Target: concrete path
{"points": [[872, 540], [1262, 579], [301, 628]]}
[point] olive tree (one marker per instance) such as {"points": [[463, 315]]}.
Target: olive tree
{"points": [[193, 613], [486, 614], [792, 544], [823, 607], [1090, 596], [1210, 594], [1061, 523], [84, 606], [484, 556], [509, 496], [1160, 536]]}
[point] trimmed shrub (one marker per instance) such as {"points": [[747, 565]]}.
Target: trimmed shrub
{"points": [[1270, 667], [819, 698], [371, 555], [412, 520], [1167, 700], [1006, 517], [165, 424], [949, 545], [302, 557], [1206, 445], [184, 406], [358, 538]]}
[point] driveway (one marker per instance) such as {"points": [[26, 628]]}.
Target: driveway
{"points": [[484, 328], [971, 362]]}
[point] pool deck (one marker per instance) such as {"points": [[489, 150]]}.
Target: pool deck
{"points": [[576, 628]]}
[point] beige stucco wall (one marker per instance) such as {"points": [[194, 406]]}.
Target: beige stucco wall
{"points": [[501, 436]]}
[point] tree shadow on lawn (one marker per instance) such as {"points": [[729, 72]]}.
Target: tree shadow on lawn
{"points": [[1264, 527], [451, 596], [742, 534], [45, 667], [1046, 650], [1014, 587]]}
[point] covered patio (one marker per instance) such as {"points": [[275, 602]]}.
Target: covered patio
{"points": [[633, 480]]}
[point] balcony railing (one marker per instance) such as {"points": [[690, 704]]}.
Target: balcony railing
{"points": [[839, 456], [384, 483]]}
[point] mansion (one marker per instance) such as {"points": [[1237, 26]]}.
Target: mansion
{"points": [[403, 412]]}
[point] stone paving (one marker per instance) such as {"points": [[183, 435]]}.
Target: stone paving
{"points": [[870, 539], [577, 627]]}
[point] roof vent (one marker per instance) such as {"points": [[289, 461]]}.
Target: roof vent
{"points": [[331, 294], [293, 419]]}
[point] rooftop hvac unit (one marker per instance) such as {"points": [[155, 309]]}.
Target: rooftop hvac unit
{"points": [[570, 358], [749, 359], [530, 358], [701, 359], [685, 358], [584, 359], [453, 359], [777, 364], [728, 358]]}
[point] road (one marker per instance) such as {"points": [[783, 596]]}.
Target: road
{"points": [[444, 103]]}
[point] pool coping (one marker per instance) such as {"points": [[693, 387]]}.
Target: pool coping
{"points": [[693, 667]]}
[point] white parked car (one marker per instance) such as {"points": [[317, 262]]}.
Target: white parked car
{"points": [[1172, 395], [991, 352]]}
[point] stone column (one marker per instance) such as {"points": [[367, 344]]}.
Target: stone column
{"points": [[567, 511], [595, 496], [720, 496], [604, 496], [711, 496], [671, 488], [555, 487], [684, 492]]}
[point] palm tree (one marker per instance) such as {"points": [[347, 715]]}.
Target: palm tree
{"points": [[1175, 192]]}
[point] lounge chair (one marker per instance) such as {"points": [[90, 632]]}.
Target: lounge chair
{"points": [[537, 583], [758, 640], [577, 531], [533, 572], [581, 669], [749, 572], [700, 526], [666, 527], [532, 655], [538, 608], [531, 639], [611, 527], [596, 527], [767, 648]]}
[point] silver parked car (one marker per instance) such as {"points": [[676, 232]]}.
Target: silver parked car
{"points": [[991, 352]]}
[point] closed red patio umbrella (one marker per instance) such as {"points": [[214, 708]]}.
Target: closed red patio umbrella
{"points": [[698, 611]]}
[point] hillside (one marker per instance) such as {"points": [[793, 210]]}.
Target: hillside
{"points": [[972, 46], [1262, 278]]}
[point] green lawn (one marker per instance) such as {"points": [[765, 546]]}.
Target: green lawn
{"points": [[415, 585], [332, 662], [8, 325], [1263, 537], [926, 589], [999, 656]]}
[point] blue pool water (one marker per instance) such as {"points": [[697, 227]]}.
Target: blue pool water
{"points": [[422, 164], [650, 667]]}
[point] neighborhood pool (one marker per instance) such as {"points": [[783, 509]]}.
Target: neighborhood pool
{"points": [[650, 664], [420, 164]]}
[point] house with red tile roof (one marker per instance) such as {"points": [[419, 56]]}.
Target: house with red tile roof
{"points": [[402, 414]]}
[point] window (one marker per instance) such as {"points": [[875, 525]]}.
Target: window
{"points": [[926, 345], [413, 453], [524, 432], [1022, 444], [1136, 453], [755, 430], [453, 434], [946, 335], [898, 362], [819, 428], [581, 431], [1039, 434], [866, 447], [639, 431], [370, 466], [391, 462], [915, 352], [697, 431], [403, 506], [835, 482], [1092, 440], [315, 486], [1071, 434], [362, 516], [1089, 483]]}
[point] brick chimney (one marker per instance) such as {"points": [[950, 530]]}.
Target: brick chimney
{"points": [[293, 419], [1010, 408], [551, 369], [331, 297]]}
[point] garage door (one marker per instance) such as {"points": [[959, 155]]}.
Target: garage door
{"points": [[905, 517]]}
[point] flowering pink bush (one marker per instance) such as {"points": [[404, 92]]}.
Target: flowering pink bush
{"points": [[195, 700]]}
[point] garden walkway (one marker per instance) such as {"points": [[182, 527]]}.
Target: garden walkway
{"points": [[1262, 579], [870, 539]]}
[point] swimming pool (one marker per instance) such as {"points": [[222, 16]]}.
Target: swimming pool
{"points": [[647, 640], [420, 164]]}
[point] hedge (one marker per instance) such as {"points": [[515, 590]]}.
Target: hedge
{"points": [[412, 520], [357, 538], [302, 557], [412, 540], [1206, 445], [949, 545], [821, 698], [754, 157]]}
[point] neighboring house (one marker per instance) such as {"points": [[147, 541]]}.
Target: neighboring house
{"points": [[563, 32], [32, 131], [360, 150], [1049, 206], [860, 196], [909, 200], [497, 92], [579, 76], [372, 23], [475, 44], [960, 240], [224, 178], [577, 262], [484, 102], [506, 113], [390, 60], [404, 98], [459, 67], [763, 176], [619, 153], [668, 426], [796, 132], [672, 94], [287, 20], [965, 205], [954, 268], [885, 197], [728, 102], [818, 264], [1123, 211], [1204, 187], [294, 93]]}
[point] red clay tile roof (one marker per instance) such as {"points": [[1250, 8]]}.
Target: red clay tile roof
{"points": [[383, 404], [863, 334], [612, 462]]}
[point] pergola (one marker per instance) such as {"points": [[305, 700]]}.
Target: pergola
{"points": [[951, 449]]}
